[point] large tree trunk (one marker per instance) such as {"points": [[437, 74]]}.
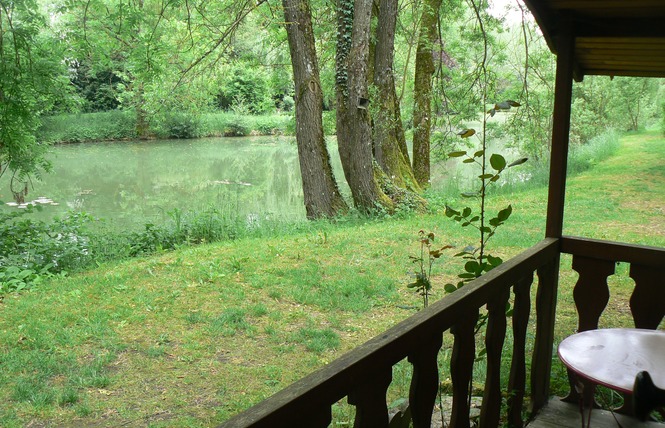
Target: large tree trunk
{"points": [[354, 131], [389, 142], [423, 92], [322, 197]]}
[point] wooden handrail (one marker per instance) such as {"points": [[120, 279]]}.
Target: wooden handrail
{"points": [[595, 262], [307, 402], [613, 251]]}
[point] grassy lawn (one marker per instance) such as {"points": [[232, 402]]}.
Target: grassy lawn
{"points": [[191, 337]]}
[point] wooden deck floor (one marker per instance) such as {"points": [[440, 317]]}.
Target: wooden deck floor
{"points": [[566, 415]]}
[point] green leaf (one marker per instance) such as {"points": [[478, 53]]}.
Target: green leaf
{"points": [[456, 154], [466, 133], [466, 212], [472, 267], [494, 261], [479, 153], [451, 212], [505, 213], [469, 194], [468, 161], [498, 162], [517, 162], [485, 176], [449, 288]]}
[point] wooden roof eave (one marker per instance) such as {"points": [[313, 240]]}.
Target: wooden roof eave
{"points": [[597, 26]]}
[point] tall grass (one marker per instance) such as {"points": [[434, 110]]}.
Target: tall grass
{"points": [[121, 125], [581, 158], [76, 128]]}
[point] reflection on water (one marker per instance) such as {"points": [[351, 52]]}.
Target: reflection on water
{"points": [[133, 183]]}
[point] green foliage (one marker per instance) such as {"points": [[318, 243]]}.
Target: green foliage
{"points": [[180, 125], [238, 126], [78, 128], [31, 250], [247, 89], [477, 260], [30, 83], [184, 229], [423, 284], [120, 125], [583, 157], [330, 122]]}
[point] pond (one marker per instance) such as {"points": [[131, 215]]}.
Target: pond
{"points": [[132, 183]]}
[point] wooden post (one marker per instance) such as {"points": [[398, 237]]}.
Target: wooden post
{"points": [[541, 368], [560, 132]]}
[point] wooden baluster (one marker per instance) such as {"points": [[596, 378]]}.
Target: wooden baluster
{"points": [[370, 399], [317, 417], [494, 337], [424, 382], [461, 369], [591, 292], [517, 380], [541, 360], [647, 303]]}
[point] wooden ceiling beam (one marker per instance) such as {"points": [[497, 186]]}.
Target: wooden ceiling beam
{"points": [[605, 4]]}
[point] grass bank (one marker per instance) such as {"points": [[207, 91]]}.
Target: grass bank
{"points": [[121, 125], [189, 337]]}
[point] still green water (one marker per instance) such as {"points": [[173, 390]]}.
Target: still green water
{"points": [[132, 183]]}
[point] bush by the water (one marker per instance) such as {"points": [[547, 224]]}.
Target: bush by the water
{"points": [[77, 128], [31, 250], [121, 125], [179, 125]]}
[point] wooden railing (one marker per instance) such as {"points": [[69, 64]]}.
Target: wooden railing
{"points": [[595, 261], [364, 374]]}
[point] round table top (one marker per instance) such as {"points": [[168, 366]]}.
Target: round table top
{"points": [[612, 357]]}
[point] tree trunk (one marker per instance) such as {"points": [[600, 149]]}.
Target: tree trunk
{"points": [[354, 130], [389, 142], [422, 111], [322, 197], [142, 125]]}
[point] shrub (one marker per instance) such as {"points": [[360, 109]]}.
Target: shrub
{"points": [[76, 128], [181, 125], [237, 126], [32, 249], [584, 156], [271, 125], [247, 86]]}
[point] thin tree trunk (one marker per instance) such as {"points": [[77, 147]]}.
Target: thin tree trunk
{"points": [[390, 144], [322, 197], [353, 119], [422, 111]]}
